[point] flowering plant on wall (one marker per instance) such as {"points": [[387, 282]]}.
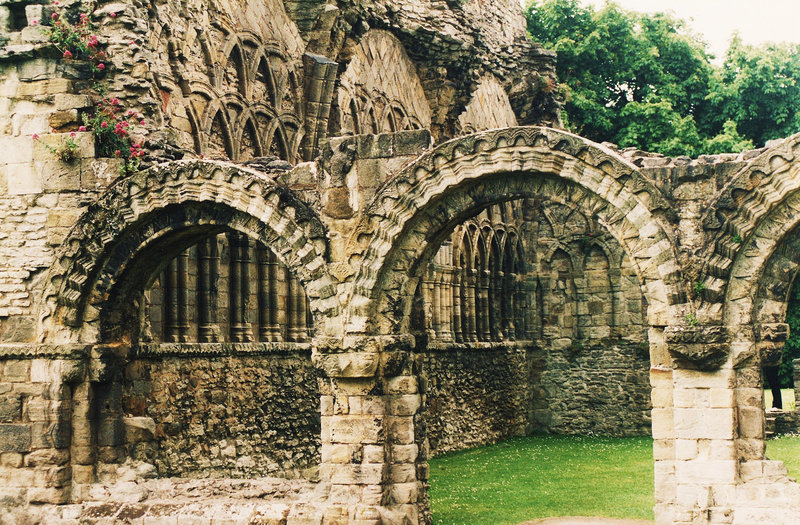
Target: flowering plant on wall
{"points": [[111, 123], [68, 150], [112, 126], [75, 40]]}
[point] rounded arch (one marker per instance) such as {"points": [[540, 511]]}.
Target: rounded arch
{"points": [[137, 213], [413, 212], [755, 192]]}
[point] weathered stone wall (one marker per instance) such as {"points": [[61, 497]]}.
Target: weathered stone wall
{"points": [[230, 416], [600, 388], [473, 396]]}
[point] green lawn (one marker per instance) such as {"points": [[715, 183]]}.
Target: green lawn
{"points": [[536, 477], [787, 396], [786, 449]]}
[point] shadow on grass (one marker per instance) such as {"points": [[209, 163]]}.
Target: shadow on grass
{"points": [[542, 476]]}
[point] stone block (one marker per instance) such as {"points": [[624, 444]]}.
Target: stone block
{"points": [[139, 429], [356, 429], [11, 459], [402, 385], [17, 150], [50, 435], [52, 495], [10, 407], [704, 423], [402, 472], [365, 474], [18, 372], [20, 329], [405, 405], [403, 493], [47, 457], [57, 175], [22, 179], [335, 453], [15, 438], [374, 454]]}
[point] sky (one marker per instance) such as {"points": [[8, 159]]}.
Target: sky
{"points": [[757, 21]]}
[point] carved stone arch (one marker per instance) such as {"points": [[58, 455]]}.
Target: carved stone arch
{"points": [[138, 212], [248, 140], [751, 195], [379, 66], [261, 72], [416, 209], [233, 71], [276, 142], [218, 134]]}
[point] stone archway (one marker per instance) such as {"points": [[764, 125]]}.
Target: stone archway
{"points": [[403, 227], [143, 209], [103, 267], [460, 177], [749, 275]]}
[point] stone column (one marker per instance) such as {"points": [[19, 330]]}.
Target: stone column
{"points": [[264, 297], [241, 331], [447, 293], [695, 423], [207, 276], [170, 280], [371, 451], [472, 309], [274, 298], [292, 333], [458, 333], [182, 316], [485, 333]]}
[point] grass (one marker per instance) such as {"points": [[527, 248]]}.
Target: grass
{"points": [[542, 476], [786, 449], [787, 396]]}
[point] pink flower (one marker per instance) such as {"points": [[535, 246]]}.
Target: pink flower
{"points": [[82, 128], [54, 16], [35, 136], [113, 15], [133, 42], [34, 22], [142, 123], [101, 66], [116, 153], [55, 3], [67, 54], [72, 134], [104, 124]]}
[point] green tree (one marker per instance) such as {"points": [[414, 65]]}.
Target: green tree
{"points": [[647, 81], [620, 67], [760, 89]]}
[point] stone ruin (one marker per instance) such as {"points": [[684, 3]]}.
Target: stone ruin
{"points": [[358, 239]]}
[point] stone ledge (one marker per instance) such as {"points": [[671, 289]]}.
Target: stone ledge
{"points": [[37, 351], [158, 350]]}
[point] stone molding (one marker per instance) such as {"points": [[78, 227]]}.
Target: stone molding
{"points": [[267, 211]]}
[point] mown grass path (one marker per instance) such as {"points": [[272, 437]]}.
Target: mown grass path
{"points": [[541, 476]]}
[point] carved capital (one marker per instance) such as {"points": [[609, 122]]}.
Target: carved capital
{"points": [[698, 347]]}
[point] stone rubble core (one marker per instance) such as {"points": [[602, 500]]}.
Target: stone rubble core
{"points": [[357, 240]]}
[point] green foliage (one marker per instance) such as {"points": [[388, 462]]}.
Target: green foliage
{"points": [[699, 287], [692, 320], [738, 239], [73, 35], [791, 350], [66, 152], [535, 477], [112, 126], [762, 87], [646, 81], [786, 449]]}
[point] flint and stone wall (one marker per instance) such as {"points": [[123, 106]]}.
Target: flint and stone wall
{"points": [[230, 416]]}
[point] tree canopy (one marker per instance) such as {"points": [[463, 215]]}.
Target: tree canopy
{"points": [[647, 81]]}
